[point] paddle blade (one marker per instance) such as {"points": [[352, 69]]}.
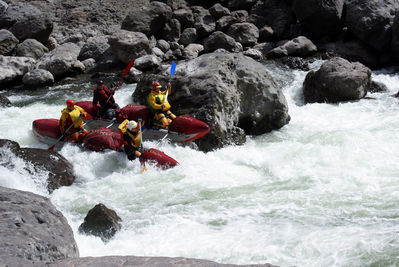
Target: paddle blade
{"points": [[143, 169], [172, 69]]}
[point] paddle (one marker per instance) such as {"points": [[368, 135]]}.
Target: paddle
{"points": [[172, 72], [141, 138], [63, 134], [125, 72]]}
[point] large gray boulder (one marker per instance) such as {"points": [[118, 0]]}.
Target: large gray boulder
{"points": [[38, 77], [371, 21], [128, 45], [7, 42], [61, 60], [188, 36], [31, 48], [234, 94], [319, 17], [218, 11], [13, 68], [337, 80], [238, 16], [148, 19], [32, 230], [26, 21], [60, 171], [3, 6]]}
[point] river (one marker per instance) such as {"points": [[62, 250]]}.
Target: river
{"points": [[321, 191]]}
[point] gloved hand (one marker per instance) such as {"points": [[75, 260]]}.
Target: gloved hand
{"points": [[82, 114], [112, 92]]}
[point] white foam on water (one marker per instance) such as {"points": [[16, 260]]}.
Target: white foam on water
{"points": [[321, 191]]}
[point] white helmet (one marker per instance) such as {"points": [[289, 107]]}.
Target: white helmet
{"points": [[132, 125]]}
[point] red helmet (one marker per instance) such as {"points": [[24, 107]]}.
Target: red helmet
{"points": [[70, 103], [156, 85]]}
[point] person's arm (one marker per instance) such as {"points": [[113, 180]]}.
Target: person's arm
{"points": [[63, 121]]}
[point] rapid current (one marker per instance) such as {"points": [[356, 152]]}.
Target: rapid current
{"points": [[321, 191]]}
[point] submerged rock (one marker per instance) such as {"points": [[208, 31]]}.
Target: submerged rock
{"points": [[102, 222], [4, 101]]}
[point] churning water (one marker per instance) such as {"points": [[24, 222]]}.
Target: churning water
{"points": [[321, 191]]}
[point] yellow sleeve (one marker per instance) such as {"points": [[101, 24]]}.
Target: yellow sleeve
{"points": [[81, 110]]}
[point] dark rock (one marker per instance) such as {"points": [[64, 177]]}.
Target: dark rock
{"points": [[218, 11], [203, 22], [4, 102], [371, 21], [188, 36], [239, 16], [300, 46], [274, 13], [8, 42], [148, 19], [50, 43], [176, 4], [234, 94], [218, 40], [60, 171], [128, 45], [185, 16], [163, 45], [266, 34], [157, 52], [377, 87], [31, 48], [133, 76], [245, 33], [354, 51], [95, 47], [102, 222], [89, 64], [241, 4], [32, 230], [172, 31], [264, 48], [296, 63], [38, 77], [395, 36], [26, 22], [337, 80], [320, 17]]}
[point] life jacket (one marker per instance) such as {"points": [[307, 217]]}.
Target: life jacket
{"points": [[156, 99], [68, 117], [136, 138], [101, 96]]}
